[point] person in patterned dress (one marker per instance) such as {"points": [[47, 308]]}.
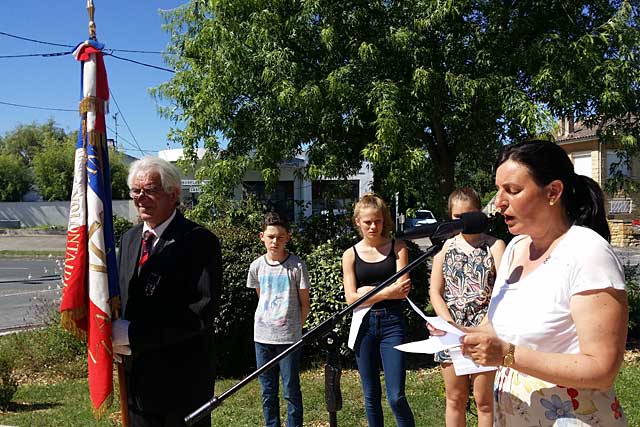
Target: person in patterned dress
{"points": [[461, 282], [557, 320]]}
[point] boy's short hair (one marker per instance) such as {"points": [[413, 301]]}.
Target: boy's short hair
{"points": [[274, 218]]}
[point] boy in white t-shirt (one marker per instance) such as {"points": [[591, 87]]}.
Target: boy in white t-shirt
{"points": [[281, 281]]}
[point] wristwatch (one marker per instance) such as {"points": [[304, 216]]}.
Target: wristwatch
{"points": [[508, 358]]}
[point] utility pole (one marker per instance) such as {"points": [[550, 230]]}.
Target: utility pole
{"points": [[115, 120]]}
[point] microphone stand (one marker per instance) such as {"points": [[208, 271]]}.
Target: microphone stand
{"points": [[322, 329], [332, 374]]}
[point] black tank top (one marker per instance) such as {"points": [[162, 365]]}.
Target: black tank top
{"points": [[374, 273]]}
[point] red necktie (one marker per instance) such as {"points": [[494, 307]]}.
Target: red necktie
{"points": [[147, 245]]}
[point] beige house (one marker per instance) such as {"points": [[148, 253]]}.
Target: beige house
{"points": [[593, 159]]}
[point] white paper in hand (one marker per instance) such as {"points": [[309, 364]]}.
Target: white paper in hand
{"points": [[451, 340], [464, 365], [431, 345], [435, 343]]}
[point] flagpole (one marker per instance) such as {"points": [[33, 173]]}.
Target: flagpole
{"points": [[122, 382]]}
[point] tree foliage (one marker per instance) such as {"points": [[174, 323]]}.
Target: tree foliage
{"points": [[44, 155], [53, 169], [25, 141], [14, 178], [119, 172], [428, 91]]}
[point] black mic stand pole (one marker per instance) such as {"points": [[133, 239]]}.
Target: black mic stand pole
{"points": [[332, 374], [320, 330]]}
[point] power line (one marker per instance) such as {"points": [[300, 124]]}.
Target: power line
{"points": [[127, 143], [139, 63], [134, 147], [105, 52], [124, 119], [25, 55], [136, 51], [37, 108], [68, 45], [33, 40]]}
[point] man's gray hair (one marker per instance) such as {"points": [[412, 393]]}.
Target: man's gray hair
{"points": [[169, 173]]}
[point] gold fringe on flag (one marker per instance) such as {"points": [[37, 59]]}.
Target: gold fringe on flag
{"points": [[69, 318], [97, 139], [99, 412], [93, 104]]}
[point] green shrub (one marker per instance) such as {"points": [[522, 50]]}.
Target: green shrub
{"points": [[120, 226], [237, 223], [318, 229], [633, 293], [327, 295], [8, 382], [234, 323], [49, 348]]}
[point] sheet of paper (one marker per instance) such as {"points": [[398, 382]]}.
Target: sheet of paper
{"points": [[435, 343], [451, 340], [356, 321], [417, 309], [431, 345], [463, 365], [435, 321]]}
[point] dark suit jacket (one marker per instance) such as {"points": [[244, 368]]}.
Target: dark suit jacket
{"points": [[171, 305]]}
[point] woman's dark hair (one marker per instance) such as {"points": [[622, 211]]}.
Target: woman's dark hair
{"points": [[582, 196]]}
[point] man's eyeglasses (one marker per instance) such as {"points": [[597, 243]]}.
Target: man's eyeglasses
{"points": [[138, 192]]}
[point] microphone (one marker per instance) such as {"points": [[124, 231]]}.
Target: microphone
{"points": [[469, 223]]}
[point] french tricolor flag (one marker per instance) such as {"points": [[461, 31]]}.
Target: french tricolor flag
{"points": [[91, 294]]}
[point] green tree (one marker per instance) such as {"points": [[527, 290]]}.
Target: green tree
{"points": [[14, 178], [119, 172], [25, 141], [428, 91], [53, 169]]}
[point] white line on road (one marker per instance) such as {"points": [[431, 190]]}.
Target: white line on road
{"points": [[27, 293]]}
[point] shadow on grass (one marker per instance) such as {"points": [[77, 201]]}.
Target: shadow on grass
{"points": [[29, 407]]}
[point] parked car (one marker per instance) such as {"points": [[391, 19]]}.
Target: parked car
{"points": [[423, 216]]}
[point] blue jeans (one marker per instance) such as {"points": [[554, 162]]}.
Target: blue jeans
{"points": [[289, 369], [381, 330]]}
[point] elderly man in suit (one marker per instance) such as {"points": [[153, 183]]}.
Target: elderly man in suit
{"points": [[170, 276]]}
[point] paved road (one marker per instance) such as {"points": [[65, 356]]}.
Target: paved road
{"points": [[28, 291]]}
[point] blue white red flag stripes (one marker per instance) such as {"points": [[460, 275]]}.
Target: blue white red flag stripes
{"points": [[91, 293]]}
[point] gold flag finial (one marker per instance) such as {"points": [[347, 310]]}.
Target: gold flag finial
{"points": [[92, 24]]}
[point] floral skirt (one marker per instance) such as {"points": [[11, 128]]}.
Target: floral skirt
{"points": [[522, 400]]}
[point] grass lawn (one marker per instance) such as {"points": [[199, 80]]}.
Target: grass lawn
{"points": [[66, 402]]}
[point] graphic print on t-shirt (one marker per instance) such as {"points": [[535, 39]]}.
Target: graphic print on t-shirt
{"points": [[274, 300]]}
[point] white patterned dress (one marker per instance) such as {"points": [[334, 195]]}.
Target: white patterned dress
{"points": [[535, 312], [468, 282]]}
